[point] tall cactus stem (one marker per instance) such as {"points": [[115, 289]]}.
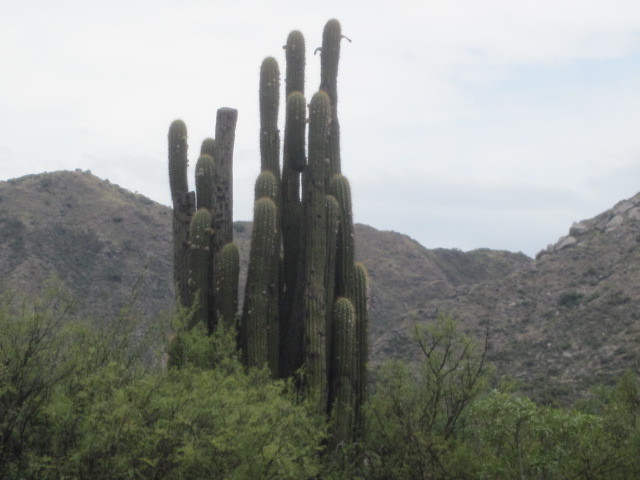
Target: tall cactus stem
{"points": [[333, 222], [208, 147], [314, 308], [267, 186], [362, 342], [261, 286], [341, 189], [295, 57], [183, 208], [204, 182], [269, 102], [344, 372], [199, 262], [226, 288], [329, 58], [226, 120], [222, 214]]}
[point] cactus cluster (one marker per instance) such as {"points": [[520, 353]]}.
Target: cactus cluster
{"points": [[305, 305]]}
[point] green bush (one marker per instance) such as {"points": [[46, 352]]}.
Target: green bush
{"points": [[77, 402]]}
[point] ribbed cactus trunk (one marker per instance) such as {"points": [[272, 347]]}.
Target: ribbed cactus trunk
{"points": [[345, 254], [343, 411], [294, 162], [257, 318], [183, 208], [199, 259], [329, 58], [314, 308], [227, 284], [222, 209], [360, 302]]}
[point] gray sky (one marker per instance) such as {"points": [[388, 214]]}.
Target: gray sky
{"points": [[467, 124]]}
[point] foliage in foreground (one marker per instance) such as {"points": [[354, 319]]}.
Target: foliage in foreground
{"points": [[81, 403], [70, 407]]}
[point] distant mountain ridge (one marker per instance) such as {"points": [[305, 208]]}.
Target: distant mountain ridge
{"points": [[559, 324]]}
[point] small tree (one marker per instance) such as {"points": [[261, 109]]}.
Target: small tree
{"points": [[414, 416]]}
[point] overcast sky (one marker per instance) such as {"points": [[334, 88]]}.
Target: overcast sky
{"points": [[465, 124]]}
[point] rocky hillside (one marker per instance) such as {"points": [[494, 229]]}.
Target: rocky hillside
{"points": [[107, 244], [558, 324], [565, 322]]}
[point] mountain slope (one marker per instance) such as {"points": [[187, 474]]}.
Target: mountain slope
{"points": [[566, 322], [559, 324]]}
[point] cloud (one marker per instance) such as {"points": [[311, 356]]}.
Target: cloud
{"points": [[487, 120]]}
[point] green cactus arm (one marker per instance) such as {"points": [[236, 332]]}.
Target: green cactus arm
{"points": [[329, 58], [204, 182], [294, 132], [208, 147], [222, 214], [269, 102], [333, 222], [222, 210], [178, 158], [341, 190], [315, 238], [227, 284], [199, 260], [267, 185], [292, 241], [361, 294], [261, 285], [295, 58], [183, 208], [344, 372]]}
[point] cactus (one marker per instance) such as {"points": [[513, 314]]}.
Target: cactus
{"points": [[269, 100], [257, 323], [183, 208], [362, 342], [294, 162], [333, 223], [204, 182], [329, 58], [222, 214], [314, 308], [341, 189], [208, 147], [226, 289], [305, 298], [199, 259], [295, 54], [344, 372], [267, 186]]}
